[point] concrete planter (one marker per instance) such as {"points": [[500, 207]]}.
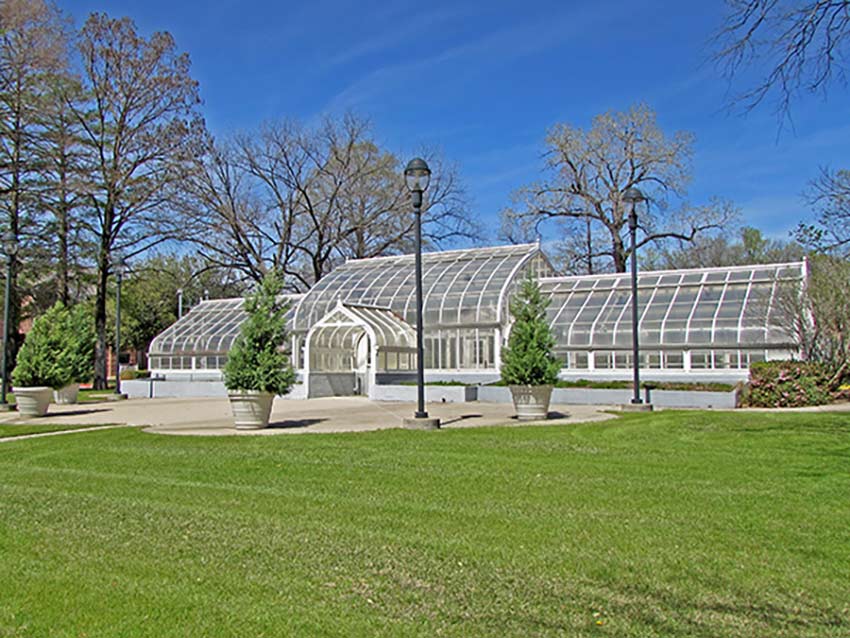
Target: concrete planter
{"points": [[32, 402], [531, 402], [67, 395], [251, 409]]}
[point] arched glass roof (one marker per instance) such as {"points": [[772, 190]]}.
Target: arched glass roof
{"points": [[705, 307], [344, 324], [211, 327], [461, 287]]}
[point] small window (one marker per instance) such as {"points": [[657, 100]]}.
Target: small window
{"points": [[700, 359], [674, 360], [623, 360], [577, 360], [603, 360], [650, 360]]}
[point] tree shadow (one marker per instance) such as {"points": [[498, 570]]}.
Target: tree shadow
{"points": [[74, 413], [291, 424]]}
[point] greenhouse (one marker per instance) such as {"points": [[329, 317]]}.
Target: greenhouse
{"points": [[356, 327], [199, 341]]}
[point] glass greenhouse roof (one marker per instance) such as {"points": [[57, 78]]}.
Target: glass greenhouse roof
{"points": [[211, 327], [461, 287], [344, 325], [706, 307]]}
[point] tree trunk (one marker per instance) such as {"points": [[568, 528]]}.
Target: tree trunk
{"points": [[64, 229], [100, 371], [619, 254]]}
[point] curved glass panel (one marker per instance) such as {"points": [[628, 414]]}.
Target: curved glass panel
{"points": [[707, 308], [461, 288]]}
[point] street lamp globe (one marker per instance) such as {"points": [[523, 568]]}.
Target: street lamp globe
{"points": [[417, 175], [633, 195]]}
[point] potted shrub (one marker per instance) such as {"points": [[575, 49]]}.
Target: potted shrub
{"points": [[257, 369], [529, 367], [79, 353], [41, 366]]}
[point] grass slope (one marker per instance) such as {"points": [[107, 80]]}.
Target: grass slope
{"points": [[672, 524]]}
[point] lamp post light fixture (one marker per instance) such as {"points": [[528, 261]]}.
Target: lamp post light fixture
{"points": [[632, 197], [118, 264], [10, 248], [417, 176]]}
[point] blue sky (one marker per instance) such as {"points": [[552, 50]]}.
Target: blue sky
{"points": [[484, 81]]}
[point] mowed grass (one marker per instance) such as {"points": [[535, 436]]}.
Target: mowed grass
{"points": [[672, 524]]}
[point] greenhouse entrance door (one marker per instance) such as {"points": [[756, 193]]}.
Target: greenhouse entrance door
{"points": [[346, 348]]}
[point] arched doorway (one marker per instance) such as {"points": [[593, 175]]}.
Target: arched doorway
{"points": [[346, 349]]}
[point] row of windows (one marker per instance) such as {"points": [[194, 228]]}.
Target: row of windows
{"points": [[210, 362], [453, 351], [653, 359], [444, 350]]}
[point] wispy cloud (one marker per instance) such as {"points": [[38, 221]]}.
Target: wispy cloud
{"points": [[392, 36], [497, 47]]}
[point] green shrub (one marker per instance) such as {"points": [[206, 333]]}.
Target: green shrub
{"points": [[81, 342], [128, 374], [43, 358], [528, 358], [256, 361], [787, 384]]}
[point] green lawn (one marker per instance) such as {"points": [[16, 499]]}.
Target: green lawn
{"points": [[672, 524]]}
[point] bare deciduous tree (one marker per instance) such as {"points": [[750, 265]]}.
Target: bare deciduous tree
{"points": [[588, 171], [301, 200], [32, 55], [141, 129], [829, 195], [801, 45], [722, 249], [818, 314], [63, 195]]}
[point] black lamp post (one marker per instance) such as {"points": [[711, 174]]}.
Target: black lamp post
{"points": [[118, 265], [632, 196], [417, 175], [10, 248]]}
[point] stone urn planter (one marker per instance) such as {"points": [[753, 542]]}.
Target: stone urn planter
{"points": [[32, 401], [251, 409], [531, 402], [67, 395]]}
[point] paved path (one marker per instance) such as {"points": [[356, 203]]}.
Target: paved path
{"points": [[338, 414]]}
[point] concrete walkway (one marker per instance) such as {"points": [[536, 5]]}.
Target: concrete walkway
{"points": [[339, 414]]}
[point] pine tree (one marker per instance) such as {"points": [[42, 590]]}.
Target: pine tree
{"points": [[256, 362], [528, 357]]}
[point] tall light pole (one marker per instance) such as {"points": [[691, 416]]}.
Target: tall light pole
{"points": [[632, 196], [179, 303], [10, 247], [118, 265], [417, 175]]}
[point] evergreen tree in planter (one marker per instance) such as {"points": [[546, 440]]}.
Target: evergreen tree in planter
{"points": [[529, 366], [79, 352], [41, 364], [257, 369]]}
